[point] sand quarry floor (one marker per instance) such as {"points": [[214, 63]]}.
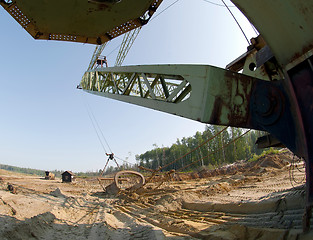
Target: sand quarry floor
{"points": [[241, 201]]}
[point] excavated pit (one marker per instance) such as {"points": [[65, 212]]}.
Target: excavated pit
{"points": [[246, 200]]}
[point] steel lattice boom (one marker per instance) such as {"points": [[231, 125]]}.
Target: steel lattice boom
{"points": [[127, 43], [95, 56], [168, 88], [193, 91]]}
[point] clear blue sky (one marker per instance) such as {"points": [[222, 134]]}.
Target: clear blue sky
{"points": [[44, 122]]}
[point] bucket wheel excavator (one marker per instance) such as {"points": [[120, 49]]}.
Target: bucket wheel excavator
{"points": [[269, 87]]}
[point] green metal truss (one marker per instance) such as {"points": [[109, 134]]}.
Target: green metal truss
{"points": [[193, 91], [127, 43], [95, 56]]}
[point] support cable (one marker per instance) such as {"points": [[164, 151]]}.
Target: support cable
{"points": [[97, 127], [124, 160], [94, 127], [217, 4], [254, 29], [155, 16], [292, 168], [154, 172], [236, 21], [234, 140], [211, 138], [101, 132], [114, 50]]}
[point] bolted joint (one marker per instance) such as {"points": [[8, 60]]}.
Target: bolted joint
{"points": [[267, 104]]}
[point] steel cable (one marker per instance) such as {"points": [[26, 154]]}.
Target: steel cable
{"points": [[194, 149], [234, 140]]}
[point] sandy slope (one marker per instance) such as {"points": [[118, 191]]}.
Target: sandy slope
{"points": [[251, 201]]}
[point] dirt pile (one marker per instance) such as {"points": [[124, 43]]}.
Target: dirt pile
{"points": [[276, 161], [57, 193], [240, 201]]}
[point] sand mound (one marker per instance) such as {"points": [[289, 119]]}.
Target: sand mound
{"points": [[243, 200], [168, 202], [31, 228], [277, 161], [57, 193]]}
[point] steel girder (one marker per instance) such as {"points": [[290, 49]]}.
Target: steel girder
{"points": [[185, 90], [203, 93]]}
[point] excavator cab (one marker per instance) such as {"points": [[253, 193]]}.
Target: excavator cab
{"points": [[101, 61]]}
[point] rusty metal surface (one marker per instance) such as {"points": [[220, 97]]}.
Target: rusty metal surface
{"points": [[301, 78], [83, 21], [268, 141], [286, 25], [258, 62], [273, 111], [214, 95], [126, 180], [135, 180], [285, 109]]}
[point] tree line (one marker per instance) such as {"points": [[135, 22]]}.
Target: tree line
{"points": [[58, 173], [22, 170], [220, 150]]}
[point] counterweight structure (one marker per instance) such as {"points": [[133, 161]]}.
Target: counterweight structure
{"points": [[86, 21]]}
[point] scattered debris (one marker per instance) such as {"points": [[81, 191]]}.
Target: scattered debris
{"points": [[13, 211], [11, 188], [238, 205]]}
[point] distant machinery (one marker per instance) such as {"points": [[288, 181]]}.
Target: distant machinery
{"points": [[49, 175]]}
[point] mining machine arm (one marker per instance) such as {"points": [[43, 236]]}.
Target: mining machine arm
{"points": [[273, 93]]}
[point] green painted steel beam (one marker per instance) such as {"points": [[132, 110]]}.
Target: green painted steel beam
{"points": [[203, 93], [87, 21]]}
